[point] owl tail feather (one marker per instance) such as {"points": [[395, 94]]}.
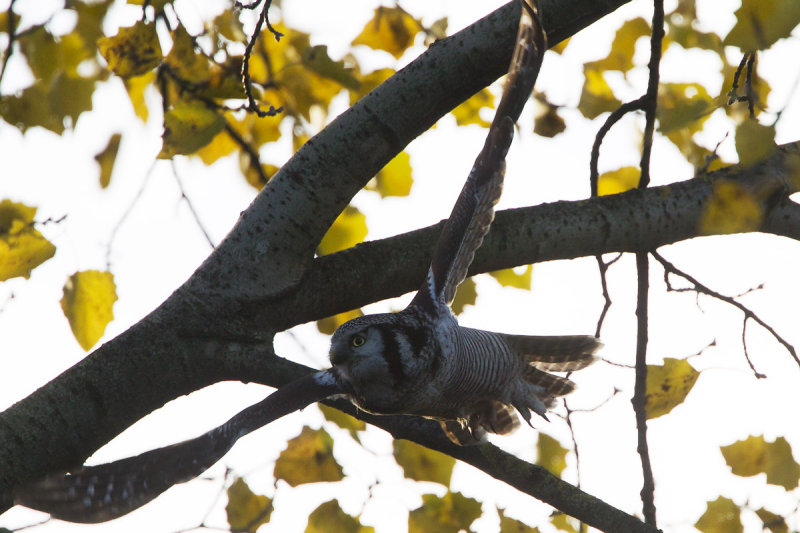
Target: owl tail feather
{"points": [[92, 494], [563, 353]]}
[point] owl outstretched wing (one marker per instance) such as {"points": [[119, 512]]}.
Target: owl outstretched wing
{"points": [[473, 212], [92, 494]]}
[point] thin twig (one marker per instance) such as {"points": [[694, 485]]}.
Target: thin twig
{"points": [[190, 205], [127, 212], [603, 268], [248, 85], [12, 35], [748, 313], [252, 153], [756, 373]]}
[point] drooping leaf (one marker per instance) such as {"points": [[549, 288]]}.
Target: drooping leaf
{"points": [[395, 178], [620, 57], [754, 142], [755, 455], [329, 324], [88, 304], [510, 525], [721, 516], [450, 514], [349, 229], [596, 96], [668, 385], [760, 23], [106, 159], [329, 517], [22, 247], [731, 209], [466, 295], [508, 277], [469, 112], [316, 58], [617, 181], [774, 523], [547, 121], [246, 510], [423, 464], [308, 458], [188, 126], [343, 420], [133, 50], [550, 454], [390, 29]]}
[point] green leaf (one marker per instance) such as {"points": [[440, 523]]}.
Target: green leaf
{"points": [[316, 58], [423, 464], [760, 23], [755, 455], [308, 458], [772, 522], [510, 525], [390, 29], [731, 209], [22, 247], [106, 159], [449, 514], [329, 517], [349, 229], [721, 516], [596, 96], [246, 510], [668, 385], [754, 142], [188, 126], [618, 181], [88, 304], [132, 51], [551, 455], [682, 106]]}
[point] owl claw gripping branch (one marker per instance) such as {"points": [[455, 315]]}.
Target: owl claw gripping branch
{"points": [[418, 361]]}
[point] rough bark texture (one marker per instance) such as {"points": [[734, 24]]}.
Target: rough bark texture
{"points": [[264, 277]]}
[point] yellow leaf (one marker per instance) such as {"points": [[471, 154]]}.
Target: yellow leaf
{"points": [[88, 304], [547, 123], [596, 96], [395, 178], [508, 277], [158, 5], [69, 97], [721, 516], [563, 522], [451, 513], [343, 420], [185, 61], [252, 176], [136, 87], [308, 458], [466, 295], [347, 230], [551, 454], [760, 23], [368, 82], [391, 29], [620, 57], [329, 324], [617, 181], [754, 142], [469, 112], [755, 455], [668, 385], [731, 209], [329, 517], [510, 525], [30, 108], [22, 247], [303, 89], [106, 159], [246, 510], [559, 48], [132, 51], [228, 25], [220, 146], [188, 126], [316, 58], [422, 464]]}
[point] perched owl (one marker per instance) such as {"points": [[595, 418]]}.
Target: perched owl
{"points": [[418, 361]]}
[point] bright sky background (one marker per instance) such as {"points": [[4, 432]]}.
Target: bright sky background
{"points": [[160, 245]]}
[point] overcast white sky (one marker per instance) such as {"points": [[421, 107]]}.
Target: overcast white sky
{"points": [[160, 245]]}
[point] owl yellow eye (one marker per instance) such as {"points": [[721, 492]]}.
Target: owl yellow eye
{"points": [[357, 340]]}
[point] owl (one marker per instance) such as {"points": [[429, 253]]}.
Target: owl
{"points": [[418, 361]]}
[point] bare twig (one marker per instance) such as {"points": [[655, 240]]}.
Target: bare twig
{"points": [[127, 212], [748, 60], [12, 35], [252, 153], [603, 268], [190, 205], [248, 85], [748, 313]]}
